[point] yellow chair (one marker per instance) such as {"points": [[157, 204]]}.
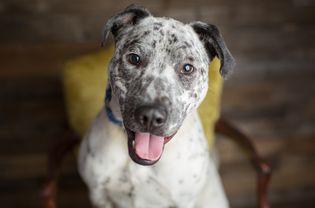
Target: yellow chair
{"points": [[85, 80]]}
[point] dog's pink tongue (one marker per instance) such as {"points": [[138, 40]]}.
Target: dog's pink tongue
{"points": [[148, 146]]}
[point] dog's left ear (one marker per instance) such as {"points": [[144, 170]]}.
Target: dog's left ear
{"points": [[214, 44], [130, 16]]}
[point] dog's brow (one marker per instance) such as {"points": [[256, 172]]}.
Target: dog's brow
{"points": [[191, 59]]}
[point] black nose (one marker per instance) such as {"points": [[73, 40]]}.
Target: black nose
{"points": [[150, 117]]}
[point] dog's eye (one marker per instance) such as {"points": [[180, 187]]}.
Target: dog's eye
{"points": [[134, 59], [187, 69]]}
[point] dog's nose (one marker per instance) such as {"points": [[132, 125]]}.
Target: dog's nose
{"points": [[150, 117]]}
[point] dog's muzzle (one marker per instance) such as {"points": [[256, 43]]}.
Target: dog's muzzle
{"points": [[146, 148]]}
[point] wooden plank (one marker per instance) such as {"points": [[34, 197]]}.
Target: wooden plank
{"points": [[40, 59]]}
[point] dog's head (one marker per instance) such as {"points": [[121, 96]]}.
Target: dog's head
{"points": [[159, 73]]}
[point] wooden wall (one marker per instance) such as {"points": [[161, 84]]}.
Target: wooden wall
{"points": [[270, 96]]}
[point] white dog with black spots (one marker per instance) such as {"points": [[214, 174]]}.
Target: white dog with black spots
{"points": [[147, 148]]}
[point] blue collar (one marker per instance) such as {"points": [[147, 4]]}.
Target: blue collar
{"points": [[109, 112]]}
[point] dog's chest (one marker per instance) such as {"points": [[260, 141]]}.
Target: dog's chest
{"points": [[176, 180], [136, 186]]}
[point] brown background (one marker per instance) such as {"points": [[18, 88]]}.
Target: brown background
{"points": [[270, 96]]}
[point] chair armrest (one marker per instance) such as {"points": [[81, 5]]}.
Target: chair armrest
{"points": [[59, 151], [262, 168]]}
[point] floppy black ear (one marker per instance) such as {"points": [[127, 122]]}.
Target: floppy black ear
{"points": [[214, 45], [130, 16]]}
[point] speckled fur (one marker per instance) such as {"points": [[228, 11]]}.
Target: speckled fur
{"points": [[185, 176], [163, 50]]}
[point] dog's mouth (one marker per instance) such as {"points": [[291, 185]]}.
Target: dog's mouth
{"points": [[145, 148]]}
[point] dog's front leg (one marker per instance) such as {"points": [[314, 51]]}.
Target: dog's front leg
{"points": [[213, 194], [97, 191], [99, 198]]}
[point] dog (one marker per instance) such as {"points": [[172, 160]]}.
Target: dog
{"points": [[146, 148]]}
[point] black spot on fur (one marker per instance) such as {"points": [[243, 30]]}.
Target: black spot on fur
{"points": [[106, 182], [130, 193], [123, 179], [158, 24], [188, 45], [89, 150], [174, 38], [182, 47], [145, 34], [191, 59], [130, 43], [154, 44]]}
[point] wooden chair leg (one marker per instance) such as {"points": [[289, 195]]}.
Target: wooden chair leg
{"points": [[58, 153], [48, 194], [262, 168]]}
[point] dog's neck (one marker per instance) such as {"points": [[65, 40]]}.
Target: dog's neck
{"points": [[112, 107]]}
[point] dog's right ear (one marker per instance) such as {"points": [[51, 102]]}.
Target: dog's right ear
{"points": [[130, 16]]}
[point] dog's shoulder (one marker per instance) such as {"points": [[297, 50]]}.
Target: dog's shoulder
{"points": [[102, 150]]}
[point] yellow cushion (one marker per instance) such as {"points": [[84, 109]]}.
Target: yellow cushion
{"points": [[209, 110], [85, 80]]}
